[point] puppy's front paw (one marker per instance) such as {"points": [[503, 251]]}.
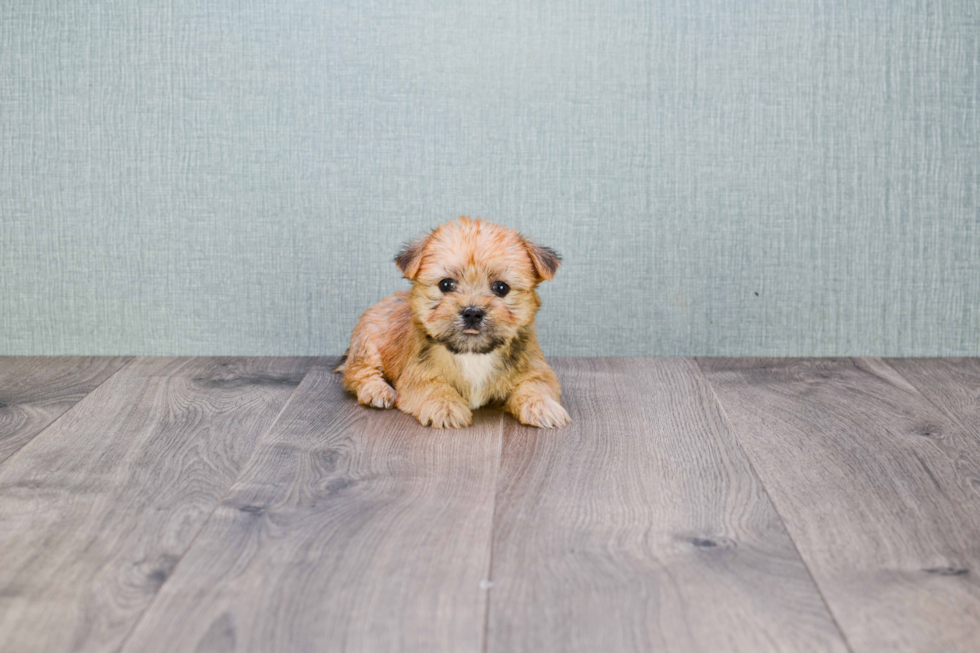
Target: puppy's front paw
{"points": [[446, 415], [376, 393], [544, 413]]}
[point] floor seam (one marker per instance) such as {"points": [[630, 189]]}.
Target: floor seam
{"points": [[217, 505], [772, 502], [493, 528], [943, 411], [57, 419]]}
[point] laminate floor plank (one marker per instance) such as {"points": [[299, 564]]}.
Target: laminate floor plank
{"points": [[952, 384], [97, 509], [352, 529], [878, 488], [37, 390], [642, 527]]}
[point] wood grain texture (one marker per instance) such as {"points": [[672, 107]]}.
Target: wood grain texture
{"points": [[641, 527], [952, 384], [352, 529], [35, 391], [879, 489], [96, 510]]}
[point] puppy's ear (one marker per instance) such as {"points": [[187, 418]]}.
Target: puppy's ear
{"points": [[544, 259], [410, 258]]}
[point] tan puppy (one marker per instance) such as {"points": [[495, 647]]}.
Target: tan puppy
{"points": [[463, 336]]}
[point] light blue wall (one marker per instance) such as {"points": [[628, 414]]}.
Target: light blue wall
{"points": [[724, 177]]}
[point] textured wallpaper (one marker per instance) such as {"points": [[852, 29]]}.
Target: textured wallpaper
{"points": [[723, 177]]}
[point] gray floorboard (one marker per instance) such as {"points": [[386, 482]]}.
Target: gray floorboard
{"points": [[641, 527], [352, 529], [249, 504], [96, 511], [37, 390], [877, 487], [952, 384]]}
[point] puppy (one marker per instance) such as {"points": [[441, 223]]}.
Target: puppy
{"points": [[463, 336]]}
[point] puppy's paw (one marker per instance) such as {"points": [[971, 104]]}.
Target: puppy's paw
{"points": [[446, 415], [376, 393], [544, 413]]}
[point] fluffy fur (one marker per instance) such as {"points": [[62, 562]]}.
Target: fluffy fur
{"points": [[415, 350]]}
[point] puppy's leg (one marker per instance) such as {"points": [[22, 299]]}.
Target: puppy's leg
{"points": [[432, 401], [533, 398], [536, 404], [364, 376]]}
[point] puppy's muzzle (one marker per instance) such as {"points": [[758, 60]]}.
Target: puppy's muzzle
{"points": [[472, 319]]}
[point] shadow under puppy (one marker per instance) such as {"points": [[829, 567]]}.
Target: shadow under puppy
{"points": [[463, 336]]}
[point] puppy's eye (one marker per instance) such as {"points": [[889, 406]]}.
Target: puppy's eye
{"points": [[500, 288], [447, 285]]}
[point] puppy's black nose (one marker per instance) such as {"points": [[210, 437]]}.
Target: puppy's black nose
{"points": [[472, 316]]}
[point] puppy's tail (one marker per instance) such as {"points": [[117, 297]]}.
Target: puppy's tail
{"points": [[342, 366]]}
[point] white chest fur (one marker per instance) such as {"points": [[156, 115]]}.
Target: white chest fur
{"points": [[476, 371]]}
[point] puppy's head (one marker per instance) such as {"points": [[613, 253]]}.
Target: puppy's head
{"points": [[474, 283]]}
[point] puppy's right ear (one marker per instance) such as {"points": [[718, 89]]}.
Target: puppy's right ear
{"points": [[410, 259]]}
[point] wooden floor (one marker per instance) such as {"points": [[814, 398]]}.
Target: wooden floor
{"points": [[249, 504]]}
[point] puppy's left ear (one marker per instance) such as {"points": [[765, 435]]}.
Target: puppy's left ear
{"points": [[544, 259], [409, 260]]}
